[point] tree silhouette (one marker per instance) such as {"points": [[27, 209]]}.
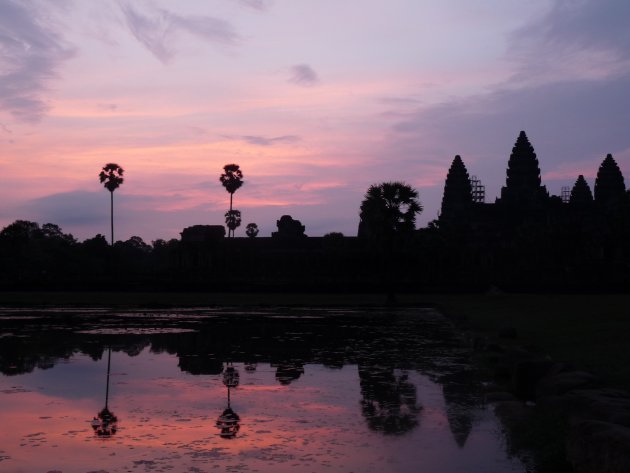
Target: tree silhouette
{"points": [[388, 216], [389, 401], [233, 220], [289, 228], [389, 209], [232, 180], [251, 230], [111, 178]]}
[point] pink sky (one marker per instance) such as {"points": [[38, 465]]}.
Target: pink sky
{"points": [[315, 100]]}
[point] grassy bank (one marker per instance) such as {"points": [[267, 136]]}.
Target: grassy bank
{"points": [[591, 332]]}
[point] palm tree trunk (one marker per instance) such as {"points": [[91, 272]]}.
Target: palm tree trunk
{"points": [[229, 229], [109, 362], [112, 215]]}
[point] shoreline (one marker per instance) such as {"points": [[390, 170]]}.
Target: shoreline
{"points": [[116, 299]]}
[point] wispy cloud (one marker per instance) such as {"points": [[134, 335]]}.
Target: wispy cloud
{"points": [[31, 53], [109, 107], [587, 39], [157, 29], [265, 141], [303, 75]]}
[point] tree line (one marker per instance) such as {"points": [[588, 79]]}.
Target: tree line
{"points": [[525, 240]]}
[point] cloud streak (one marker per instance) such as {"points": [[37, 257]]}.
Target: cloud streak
{"points": [[264, 141], [31, 53], [157, 29], [587, 39], [260, 5]]}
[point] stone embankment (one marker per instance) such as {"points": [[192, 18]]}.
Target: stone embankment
{"points": [[595, 419]]}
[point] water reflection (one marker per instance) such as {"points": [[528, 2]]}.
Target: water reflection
{"points": [[288, 371], [229, 421], [389, 403], [463, 397], [105, 423], [363, 391]]}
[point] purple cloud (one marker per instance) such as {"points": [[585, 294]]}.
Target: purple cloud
{"points": [[32, 53], [587, 39], [260, 5], [157, 30], [303, 75]]}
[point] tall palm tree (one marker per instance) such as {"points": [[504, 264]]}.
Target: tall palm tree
{"points": [[232, 180], [111, 178]]}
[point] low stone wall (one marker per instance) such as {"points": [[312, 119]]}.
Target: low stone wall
{"points": [[596, 418]]}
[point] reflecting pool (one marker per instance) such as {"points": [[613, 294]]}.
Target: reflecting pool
{"points": [[268, 390]]}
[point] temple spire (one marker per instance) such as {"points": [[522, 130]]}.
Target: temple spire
{"points": [[581, 194], [457, 196], [610, 187], [523, 174]]}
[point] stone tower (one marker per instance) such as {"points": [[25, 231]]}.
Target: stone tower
{"points": [[522, 186], [457, 198], [581, 194], [610, 187]]}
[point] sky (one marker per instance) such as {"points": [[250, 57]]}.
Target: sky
{"points": [[316, 100]]}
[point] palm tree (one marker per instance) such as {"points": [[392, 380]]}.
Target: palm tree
{"points": [[233, 220], [388, 216], [232, 180], [389, 209], [111, 178]]}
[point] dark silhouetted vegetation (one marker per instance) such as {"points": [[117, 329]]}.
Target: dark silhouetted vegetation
{"points": [[251, 230], [525, 240], [389, 209], [232, 220]]}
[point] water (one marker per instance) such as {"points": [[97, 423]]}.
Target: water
{"points": [[299, 390]]}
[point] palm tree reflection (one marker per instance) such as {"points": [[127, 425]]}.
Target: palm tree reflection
{"points": [[288, 371], [105, 423], [229, 421], [389, 401]]}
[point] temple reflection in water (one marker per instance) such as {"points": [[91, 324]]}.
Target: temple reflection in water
{"points": [[284, 386]]}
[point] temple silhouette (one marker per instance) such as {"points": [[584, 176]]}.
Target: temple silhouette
{"points": [[524, 198], [527, 236], [527, 239]]}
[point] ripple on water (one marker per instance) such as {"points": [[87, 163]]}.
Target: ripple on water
{"points": [[134, 331]]}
